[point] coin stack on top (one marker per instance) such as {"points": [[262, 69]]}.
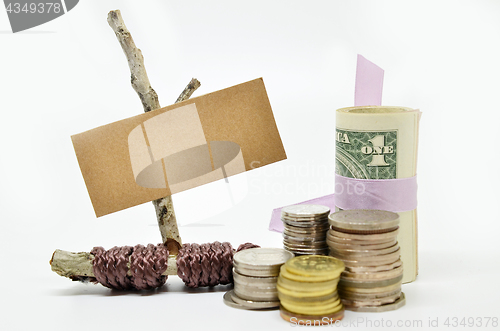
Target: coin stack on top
{"points": [[305, 228], [307, 289], [366, 240], [255, 273]]}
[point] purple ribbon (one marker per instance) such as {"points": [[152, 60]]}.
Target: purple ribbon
{"points": [[396, 195]]}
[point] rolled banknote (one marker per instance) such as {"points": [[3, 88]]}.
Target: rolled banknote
{"points": [[376, 162]]}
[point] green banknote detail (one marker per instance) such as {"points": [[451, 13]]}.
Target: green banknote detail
{"points": [[366, 154]]}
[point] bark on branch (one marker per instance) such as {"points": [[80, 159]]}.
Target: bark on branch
{"points": [[164, 207], [78, 266]]}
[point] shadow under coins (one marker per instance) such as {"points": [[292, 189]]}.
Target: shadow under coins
{"points": [[172, 286]]}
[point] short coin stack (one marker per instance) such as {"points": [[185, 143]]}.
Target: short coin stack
{"points": [[366, 240], [305, 228], [307, 289], [255, 274]]}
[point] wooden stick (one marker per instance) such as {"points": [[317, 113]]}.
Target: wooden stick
{"points": [[78, 266], [164, 207]]}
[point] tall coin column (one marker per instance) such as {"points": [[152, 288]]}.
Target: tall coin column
{"points": [[305, 228], [366, 241]]}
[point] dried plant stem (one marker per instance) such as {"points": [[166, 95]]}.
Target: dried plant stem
{"points": [[164, 207], [78, 266]]}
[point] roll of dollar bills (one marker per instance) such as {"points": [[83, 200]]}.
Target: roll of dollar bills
{"points": [[376, 161]]}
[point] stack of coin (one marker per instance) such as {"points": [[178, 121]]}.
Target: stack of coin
{"points": [[255, 273], [305, 228], [366, 240], [307, 289]]}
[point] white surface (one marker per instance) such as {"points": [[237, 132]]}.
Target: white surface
{"points": [[69, 75]]}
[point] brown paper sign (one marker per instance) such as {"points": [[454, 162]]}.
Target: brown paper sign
{"points": [[178, 147]]}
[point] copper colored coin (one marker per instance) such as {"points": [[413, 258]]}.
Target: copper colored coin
{"points": [[312, 320], [343, 283], [378, 309], [351, 253], [377, 268], [348, 241], [380, 260], [371, 302], [370, 276], [361, 246], [365, 232], [364, 219], [379, 236], [368, 296], [379, 290]]}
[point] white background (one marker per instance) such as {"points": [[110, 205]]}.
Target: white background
{"points": [[70, 75]]}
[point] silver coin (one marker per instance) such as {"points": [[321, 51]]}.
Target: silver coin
{"points": [[308, 252], [254, 304], [315, 224], [314, 231], [320, 245], [304, 238], [249, 280], [255, 288], [258, 258], [305, 234], [378, 309], [305, 210], [228, 300], [271, 271], [364, 219], [305, 219], [253, 296]]}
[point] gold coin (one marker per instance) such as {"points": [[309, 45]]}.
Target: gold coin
{"points": [[312, 320], [294, 285], [319, 266], [305, 294], [380, 236], [328, 304], [292, 298], [327, 309]]}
